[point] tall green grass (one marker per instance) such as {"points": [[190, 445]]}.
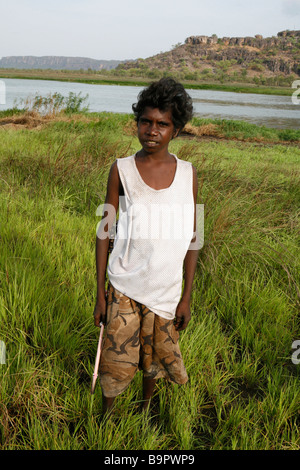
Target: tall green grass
{"points": [[243, 391]]}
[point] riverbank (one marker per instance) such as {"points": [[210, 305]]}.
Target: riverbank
{"points": [[243, 390], [96, 79], [198, 129]]}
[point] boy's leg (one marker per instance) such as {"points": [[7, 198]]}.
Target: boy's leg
{"points": [[107, 403], [148, 389], [120, 352]]}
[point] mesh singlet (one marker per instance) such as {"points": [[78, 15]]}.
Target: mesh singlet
{"points": [[155, 228]]}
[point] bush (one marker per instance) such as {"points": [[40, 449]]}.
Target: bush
{"points": [[55, 103]]}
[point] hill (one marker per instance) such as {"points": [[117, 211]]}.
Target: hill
{"points": [[57, 63], [272, 61]]}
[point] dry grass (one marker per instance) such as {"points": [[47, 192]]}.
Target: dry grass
{"points": [[36, 120], [203, 130], [28, 120]]}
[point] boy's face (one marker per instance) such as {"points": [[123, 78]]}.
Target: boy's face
{"points": [[155, 130]]}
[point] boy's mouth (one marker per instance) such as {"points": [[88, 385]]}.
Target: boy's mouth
{"points": [[151, 142]]}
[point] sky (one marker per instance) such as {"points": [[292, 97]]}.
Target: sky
{"points": [[130, 29]]}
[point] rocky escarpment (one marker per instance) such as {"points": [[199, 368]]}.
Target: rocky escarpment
{"points": [[57, 63], [251, 55], [284, 38]]}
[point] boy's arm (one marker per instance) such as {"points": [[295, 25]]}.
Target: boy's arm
{"points": [[183, 314], [102, 241]]}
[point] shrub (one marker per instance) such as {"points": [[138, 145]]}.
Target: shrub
{"points": [[55, 103]]}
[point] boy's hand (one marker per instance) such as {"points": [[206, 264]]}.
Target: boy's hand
{"points": [[100, 313], [182, 316]]}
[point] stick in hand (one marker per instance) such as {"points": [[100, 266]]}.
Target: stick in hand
{"points": [[98, 355]]}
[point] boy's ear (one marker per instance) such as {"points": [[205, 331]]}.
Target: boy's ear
{"points": [[175, 133]]}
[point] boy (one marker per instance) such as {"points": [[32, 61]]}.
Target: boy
{"points": [[154, 192]]}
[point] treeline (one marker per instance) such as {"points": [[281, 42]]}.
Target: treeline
{"points": [[221, 74]]}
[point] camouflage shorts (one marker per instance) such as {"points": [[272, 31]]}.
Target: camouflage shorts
{"points": [[135, 338]]}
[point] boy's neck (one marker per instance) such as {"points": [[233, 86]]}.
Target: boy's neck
{"points": [[155, 156]]}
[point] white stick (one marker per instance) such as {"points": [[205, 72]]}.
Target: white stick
{"points": [[95, 374]]}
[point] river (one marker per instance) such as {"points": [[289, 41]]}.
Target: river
{"points": [[268, 110]]}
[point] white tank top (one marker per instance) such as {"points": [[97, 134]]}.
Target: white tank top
{"points": [[155, 228]]}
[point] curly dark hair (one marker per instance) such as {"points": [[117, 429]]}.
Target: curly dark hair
{"points": [[167, 95]]}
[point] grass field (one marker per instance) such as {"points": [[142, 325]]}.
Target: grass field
{"points": [[243, 391]]}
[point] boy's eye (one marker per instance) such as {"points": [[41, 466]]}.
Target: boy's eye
{"points": [[148, 122]]}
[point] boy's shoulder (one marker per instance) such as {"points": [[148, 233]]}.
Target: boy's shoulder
{"points": [[183, 162], [129, 157], [124, 160], [121, 163]]}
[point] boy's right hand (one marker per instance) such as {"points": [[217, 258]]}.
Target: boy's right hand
{"points": [[100, 313]]}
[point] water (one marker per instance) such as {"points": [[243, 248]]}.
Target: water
{"points": [[267, 110]]}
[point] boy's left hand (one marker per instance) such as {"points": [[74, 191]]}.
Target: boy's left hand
{"points": [[182, 315]]}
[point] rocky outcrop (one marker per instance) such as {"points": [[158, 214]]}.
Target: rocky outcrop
{"points": [[249, 49], [256, 55], [57, 63], [288, 33], [283, 38]]}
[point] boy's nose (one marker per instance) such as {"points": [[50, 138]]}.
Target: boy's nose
{"points": [[152, 129]]}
